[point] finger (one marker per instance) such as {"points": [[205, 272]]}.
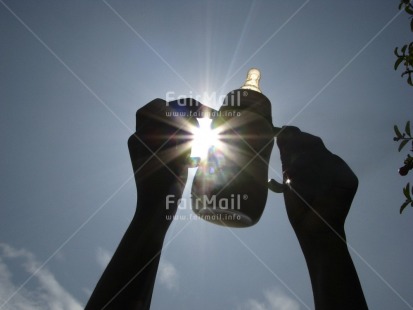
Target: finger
{"points": [[308, 175], [304, 158], [189, 107], [155, 109], [170, 124], [344, 177], [292, 143], [319, 174], [158, 121], [178, 115]]}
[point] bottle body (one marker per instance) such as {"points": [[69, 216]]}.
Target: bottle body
{"points": [[231, 188]]}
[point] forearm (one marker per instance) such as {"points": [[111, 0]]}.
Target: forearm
{"points": [[333, 276], [127, 283]]}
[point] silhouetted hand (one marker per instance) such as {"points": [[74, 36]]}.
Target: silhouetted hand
{"points": [[318, 195], [159, 150], [321, 186]]}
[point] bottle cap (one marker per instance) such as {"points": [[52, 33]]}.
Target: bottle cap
{"points": [[253, 80]]}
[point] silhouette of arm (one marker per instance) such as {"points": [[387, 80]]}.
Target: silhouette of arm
{"points": [[158, 149], [318, 197]]}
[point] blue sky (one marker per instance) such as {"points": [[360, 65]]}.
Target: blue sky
{"points": [[72, 75]]}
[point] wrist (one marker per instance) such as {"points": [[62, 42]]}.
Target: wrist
{"points": [[323, 245], [151, 221], [333, 276]]}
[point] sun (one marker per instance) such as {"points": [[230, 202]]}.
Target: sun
{"points": [[204, 138]]}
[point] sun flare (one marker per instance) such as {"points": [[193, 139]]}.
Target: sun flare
{"points": [[204, 138]]}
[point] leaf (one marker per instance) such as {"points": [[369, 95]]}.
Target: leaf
{"points": [[407, 192], [402, 144], [408, 9], [398, 62], [404, 205], [397, 131], [407, 129], [403, 49], [409, 80], [396, 52]]}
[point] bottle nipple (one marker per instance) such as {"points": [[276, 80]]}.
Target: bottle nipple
{"points": [[253, 80]]}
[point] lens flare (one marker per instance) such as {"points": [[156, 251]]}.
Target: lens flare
{"points": [[204, 138]]}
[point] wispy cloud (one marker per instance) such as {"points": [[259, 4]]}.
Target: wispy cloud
{"points": [[168, 275], [48, 295], [274, 299], [103, 257]]}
